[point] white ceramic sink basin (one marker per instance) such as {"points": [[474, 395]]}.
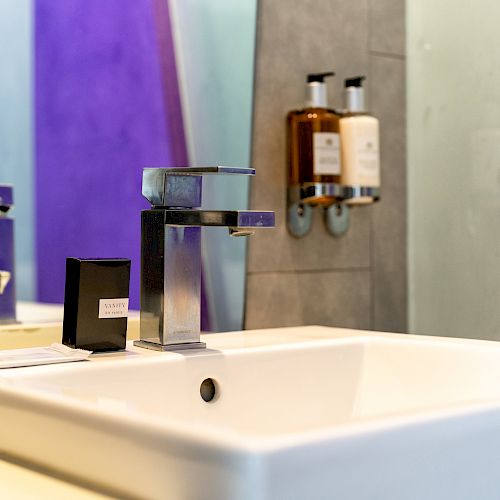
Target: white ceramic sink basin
{"points": [[299, 413]]}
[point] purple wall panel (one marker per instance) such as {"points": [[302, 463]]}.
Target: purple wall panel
{"points": [[100, 93]]}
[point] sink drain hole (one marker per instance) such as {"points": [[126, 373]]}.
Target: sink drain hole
{"points": [[208, 389]]}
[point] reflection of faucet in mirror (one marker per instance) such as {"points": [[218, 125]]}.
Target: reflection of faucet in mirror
{"points": [[4, 280], [171, 252], [7, 289]]}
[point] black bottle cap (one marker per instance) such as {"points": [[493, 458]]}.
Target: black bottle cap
{"points": [[356, 81], [318, 77]]}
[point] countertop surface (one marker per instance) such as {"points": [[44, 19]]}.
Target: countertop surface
{"points": [[20, 482]]}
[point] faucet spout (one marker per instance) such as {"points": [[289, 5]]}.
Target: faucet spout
{"points": [[239, 231], [4, 280], [225, 218]]}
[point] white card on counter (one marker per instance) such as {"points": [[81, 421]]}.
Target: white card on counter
{"points": [[32, 356]]}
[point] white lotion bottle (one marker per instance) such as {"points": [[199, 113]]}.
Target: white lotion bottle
{"points": [[359, 142]]}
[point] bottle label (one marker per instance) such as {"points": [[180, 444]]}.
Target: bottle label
{"points": [[368, 156], [113, 308], [326, 153]]}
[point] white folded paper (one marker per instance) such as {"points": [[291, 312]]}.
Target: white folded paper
{"points": [[56, 353]]}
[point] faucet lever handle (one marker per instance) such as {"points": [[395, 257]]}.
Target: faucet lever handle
{"points": [[206, 170], [180, 186]]}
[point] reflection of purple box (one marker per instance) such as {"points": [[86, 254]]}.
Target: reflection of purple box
{"points": [[7, 288]]}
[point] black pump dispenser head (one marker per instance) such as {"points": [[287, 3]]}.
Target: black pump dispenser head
{"points": [[316, 90], [354, 94], [318, 77], [356, 81]]}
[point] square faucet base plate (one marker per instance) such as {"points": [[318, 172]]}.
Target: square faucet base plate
{"points": [[170, 347]]}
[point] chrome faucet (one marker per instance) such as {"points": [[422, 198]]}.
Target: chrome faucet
{"points": [[171, 252]]}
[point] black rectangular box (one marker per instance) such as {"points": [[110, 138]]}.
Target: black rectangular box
{"points": [[96, 303]]}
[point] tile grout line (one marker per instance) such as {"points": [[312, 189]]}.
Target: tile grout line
{"points": [[372, 216], [370, 30], [312, 271], [372, 272], [387, 55]]}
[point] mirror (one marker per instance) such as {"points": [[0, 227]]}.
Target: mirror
{"points": [[91, 93]]}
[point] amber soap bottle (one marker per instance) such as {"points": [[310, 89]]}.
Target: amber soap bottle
{"points": [[313, 143]]}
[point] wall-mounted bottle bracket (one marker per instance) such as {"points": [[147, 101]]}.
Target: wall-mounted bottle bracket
{"points": [[333, 198]]}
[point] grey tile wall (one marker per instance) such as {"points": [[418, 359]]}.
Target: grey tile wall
{"points": [[389, 270], [305, 298], [358, 280], [387, 27]]}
